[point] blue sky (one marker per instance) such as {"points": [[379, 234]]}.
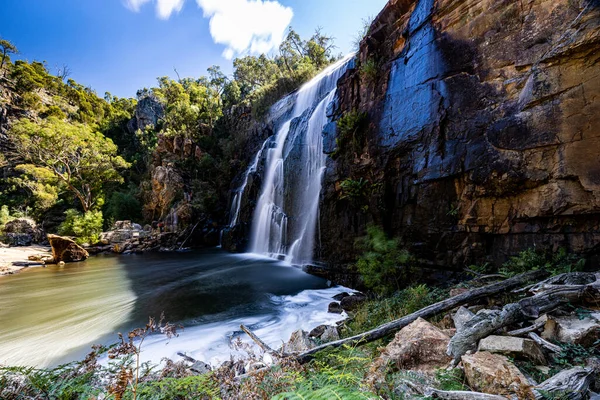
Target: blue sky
{"points": [[120, 46]]}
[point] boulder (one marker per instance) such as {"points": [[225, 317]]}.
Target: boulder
{"points": [[513, 347], [495, 374], [330, 334], [23, 232], [461, 317], [335, 308], [318, 331], [340, 296], [583, 330], [351, 303], [299, 342], [200, 368], [418, 346], [66, 250]]}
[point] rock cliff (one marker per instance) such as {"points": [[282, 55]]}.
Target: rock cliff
{"points": [[484, 131]]}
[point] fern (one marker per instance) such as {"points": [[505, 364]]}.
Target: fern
{"points": [[327, 393]]}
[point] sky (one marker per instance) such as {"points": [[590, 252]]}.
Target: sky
{"points": [[120, 46]]}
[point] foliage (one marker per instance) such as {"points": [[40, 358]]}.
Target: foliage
{"points": [[122, 206], [529, 260], [572, 355], [86, 228], [6, 48], [79, 157], [362, 33], [373, 313], [4, 216], [351, 132], [189, 387], [357, 191], [369, 70], [451, 380], [383, 266], [328, 392]]}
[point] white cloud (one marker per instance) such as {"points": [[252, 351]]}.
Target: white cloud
{"points": [[164, 8], [243, 26], [246, 26]]}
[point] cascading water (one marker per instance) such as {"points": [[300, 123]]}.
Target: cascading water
{"points": [[286, 213]]}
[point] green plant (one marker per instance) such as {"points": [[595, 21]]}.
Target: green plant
{"points": [[369, 70], [86, 228], [571, 355], [530, 259], [453, 379], [4, 216], [383, 266], [326, 393], [351, 132]]}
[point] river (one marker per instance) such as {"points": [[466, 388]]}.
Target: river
{"points": [[53, 315]]}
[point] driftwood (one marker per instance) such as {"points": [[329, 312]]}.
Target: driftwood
{"points": [[260, 343], [487, 322], [526, 330], [570, 384], [544, 343], [427, 312], [450, 395]]}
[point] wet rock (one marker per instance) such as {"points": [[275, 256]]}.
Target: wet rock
{"points": [[461, 317], [200, 368], [318, 331], [352, 302], [513, 347], [330, 334], [582, 329], [340, 296], [66, 250], [335, 308], [299, 342], [494, 374], [418, 346]]}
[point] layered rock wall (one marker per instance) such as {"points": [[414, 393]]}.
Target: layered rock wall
{"points": [[484, 131]]}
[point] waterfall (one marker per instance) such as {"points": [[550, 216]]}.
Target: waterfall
{"points": [[286, 214]]}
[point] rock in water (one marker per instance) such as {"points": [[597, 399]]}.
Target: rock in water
{"points": [[494, 374], [419, 346], [335, 308], [351, 303], [66, 250]]}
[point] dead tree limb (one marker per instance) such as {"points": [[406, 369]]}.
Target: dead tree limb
{"points": [[487, 322], [266, 348], [526, 330], [450, 395], [544, 343], [571, 384], [427, 312]]}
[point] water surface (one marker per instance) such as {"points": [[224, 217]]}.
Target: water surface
{"points": [[53, 315]]}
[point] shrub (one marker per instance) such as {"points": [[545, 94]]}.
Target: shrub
{"points": [[384, 266], [530, 260], [31, 101], [369, 70], [4, 217], [122, 206], [351, 132], [86, 228], [54, 111]]}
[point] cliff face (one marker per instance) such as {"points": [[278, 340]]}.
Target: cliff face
{"points": [[484, 131]]}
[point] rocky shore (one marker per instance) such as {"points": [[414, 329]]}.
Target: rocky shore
{"points": [[14, 259]]}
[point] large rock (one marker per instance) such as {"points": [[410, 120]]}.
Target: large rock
{"points": [[494, 374], [418, 346], [351, 303], [23, 232], [330, 334], [583, 330], [461, 317], [513, 347], [299, 341], [66, 250]]}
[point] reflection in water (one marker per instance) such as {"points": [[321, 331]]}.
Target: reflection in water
{"points": [[52, 315]]}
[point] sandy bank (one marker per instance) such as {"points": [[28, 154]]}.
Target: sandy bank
{"points": [[11, 255]]}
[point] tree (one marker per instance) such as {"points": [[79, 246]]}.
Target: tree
{"points": [[81, 158], [6, 48]]}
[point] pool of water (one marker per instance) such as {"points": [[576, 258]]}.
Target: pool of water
{"points": [[53, 315]]}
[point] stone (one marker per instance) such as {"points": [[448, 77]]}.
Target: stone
{"points": [[351, 303], [66, 250], [584, 330], [335, 308], [461, 317], [340, 296], [513, 347], [494, 374], [200, 368], [418, 346], [23, 232], [299, 342], [318, 331], [330, 334]]}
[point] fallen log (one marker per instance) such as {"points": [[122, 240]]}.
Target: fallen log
{"points": [[486, 323], [570, 384], [451, 394], [526, 330], [427, 312], [266, 348]]}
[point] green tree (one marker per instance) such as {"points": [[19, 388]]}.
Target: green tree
{"points": [[80, 157], [6, 48]]}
